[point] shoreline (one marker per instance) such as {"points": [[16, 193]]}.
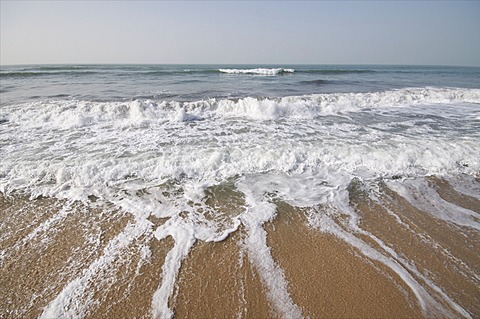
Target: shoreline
{"points": [[48, 245]]}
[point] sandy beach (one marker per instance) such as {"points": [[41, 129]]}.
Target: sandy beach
{"points": [[47, 244]]}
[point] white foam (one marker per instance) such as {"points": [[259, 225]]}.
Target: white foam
{"points": [[184, 237], [75, 300], [426, 199], [465, 184], [261, 71], [75, 163], [258, 212], [67, 115]]}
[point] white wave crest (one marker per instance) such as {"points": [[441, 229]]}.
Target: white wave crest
{"points": [[261, 71], [73, 147], [63, 114]]}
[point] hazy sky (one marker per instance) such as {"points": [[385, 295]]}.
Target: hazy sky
{"points": [[319, 32]]}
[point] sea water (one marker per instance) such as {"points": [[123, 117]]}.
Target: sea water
{"points": [[153, 140]]}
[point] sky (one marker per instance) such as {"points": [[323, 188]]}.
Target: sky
{"points": [[240, 32]]}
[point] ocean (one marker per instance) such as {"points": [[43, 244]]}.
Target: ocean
{"points": [[117, 182]]}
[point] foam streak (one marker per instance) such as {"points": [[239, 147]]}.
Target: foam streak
{"points": [[183, 234], [259, 212], [76, 298]]}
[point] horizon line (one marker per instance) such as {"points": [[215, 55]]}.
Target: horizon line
{"points": [[244, 64]]}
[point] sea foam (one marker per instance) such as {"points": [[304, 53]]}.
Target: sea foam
{"points": [[73, 114], [258, 71]]}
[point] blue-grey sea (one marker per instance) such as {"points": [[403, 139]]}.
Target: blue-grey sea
{"points": [[197, 82]]}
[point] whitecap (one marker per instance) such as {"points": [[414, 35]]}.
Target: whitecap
{"points": [[259, 71]]}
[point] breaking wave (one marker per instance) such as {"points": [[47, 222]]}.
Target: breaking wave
{"points": [[260, 71], [72, 113]]}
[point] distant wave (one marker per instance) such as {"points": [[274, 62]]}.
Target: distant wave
{"points": [[278, 71], [260, 71], [90, 70]]}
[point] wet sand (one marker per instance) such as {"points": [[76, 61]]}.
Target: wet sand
{"points": [[445, 253], [218, 281], [46, 244], [37, 262], [329, 279]]}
